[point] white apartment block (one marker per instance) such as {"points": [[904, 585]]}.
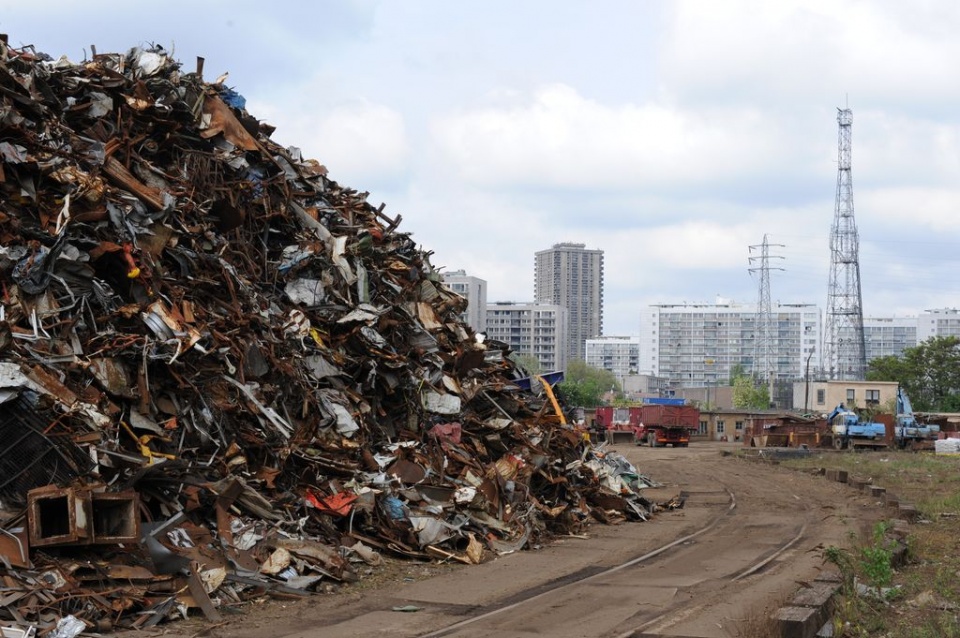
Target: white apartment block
{"points": [[942, 322], [696, 345], [474, 290], [889, 336], [619, 355], [571, 276], [536, 329]]}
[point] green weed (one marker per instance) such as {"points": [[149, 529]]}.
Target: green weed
{"points": [[942, 625], [875, 560], [933, 484]]}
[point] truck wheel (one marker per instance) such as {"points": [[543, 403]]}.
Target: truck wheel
{"points": [[839, 443]]}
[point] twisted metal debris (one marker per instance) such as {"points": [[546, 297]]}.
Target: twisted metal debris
{"points": [[222, 374]]}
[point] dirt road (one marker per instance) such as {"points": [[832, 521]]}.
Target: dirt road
{"points": [[748, 534]]}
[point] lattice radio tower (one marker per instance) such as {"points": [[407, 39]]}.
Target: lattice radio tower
{"points": [[764, 346], [844, 349]]}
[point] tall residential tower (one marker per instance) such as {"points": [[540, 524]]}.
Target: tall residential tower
{"points": [[534, 329], [475, 291], [571, 276]]}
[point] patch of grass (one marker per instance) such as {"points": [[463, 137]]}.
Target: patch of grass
{"points": [[929, 600], [941, 625], [859, 615], [938, 505], [945, 583]]}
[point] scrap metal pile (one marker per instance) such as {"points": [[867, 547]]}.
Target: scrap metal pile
{"points": [[224, 376]]}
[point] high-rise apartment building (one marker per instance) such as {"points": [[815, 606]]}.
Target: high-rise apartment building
{"points": [[535, 329], [619, 355], [942, 322], [696, 345], [474, 290], [571, 276], [889, 336]]}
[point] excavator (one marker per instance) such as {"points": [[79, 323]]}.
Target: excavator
{"points": [[908, 432], [850, 431]]}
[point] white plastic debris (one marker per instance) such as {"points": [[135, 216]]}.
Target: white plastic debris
{"points": [[68, 627], [947, 446]]}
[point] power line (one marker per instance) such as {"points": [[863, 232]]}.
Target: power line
{"points": [[763, 346]]}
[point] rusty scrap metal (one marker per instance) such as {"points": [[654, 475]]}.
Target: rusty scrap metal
{"points": [[223, 374]]}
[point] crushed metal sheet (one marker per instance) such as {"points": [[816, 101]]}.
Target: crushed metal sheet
{"points": [[224, 375]]}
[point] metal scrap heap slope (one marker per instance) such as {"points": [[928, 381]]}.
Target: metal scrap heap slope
{"points": [[224, 374]]}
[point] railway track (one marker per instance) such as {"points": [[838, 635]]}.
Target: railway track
{"points": [[681, 574], [747, 534]]}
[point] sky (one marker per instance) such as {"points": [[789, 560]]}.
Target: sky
{"points": [[671, 135]]}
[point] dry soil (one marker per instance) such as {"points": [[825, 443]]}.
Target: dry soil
{"points": [[750, 535]]}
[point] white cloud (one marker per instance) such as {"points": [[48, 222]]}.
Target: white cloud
{"points": [[690, 246], [775, 50], [362, 144], [365, 139], [891, 149], [935, 209], [670, 135], [558, 138]]}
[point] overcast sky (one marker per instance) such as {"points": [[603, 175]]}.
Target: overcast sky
{"points": [[671, 135]]}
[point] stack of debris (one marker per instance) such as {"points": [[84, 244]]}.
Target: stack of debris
{"points": [[223, 375]]}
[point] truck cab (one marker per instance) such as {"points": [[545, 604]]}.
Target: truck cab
{"points": [[850, 431]]}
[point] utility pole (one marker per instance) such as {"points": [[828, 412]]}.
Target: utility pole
{"points": [[844, 348], [764, 340]]}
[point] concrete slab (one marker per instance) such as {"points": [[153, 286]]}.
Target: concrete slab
{"points": [[797, 622]]}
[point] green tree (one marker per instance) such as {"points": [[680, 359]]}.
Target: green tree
{"points": [[584, 386], [929, 373], [951, 403], [736, 371], [747, 394], [528, 362], [888, 368]]}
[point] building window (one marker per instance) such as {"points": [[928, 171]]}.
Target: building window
{"points": [[719, 427], [851, 396], [873, 397], [703, 428], [821, 397], [738, 425]]}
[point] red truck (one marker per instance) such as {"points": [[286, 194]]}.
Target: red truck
{"points": [[655, 423], [617, 424]]}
